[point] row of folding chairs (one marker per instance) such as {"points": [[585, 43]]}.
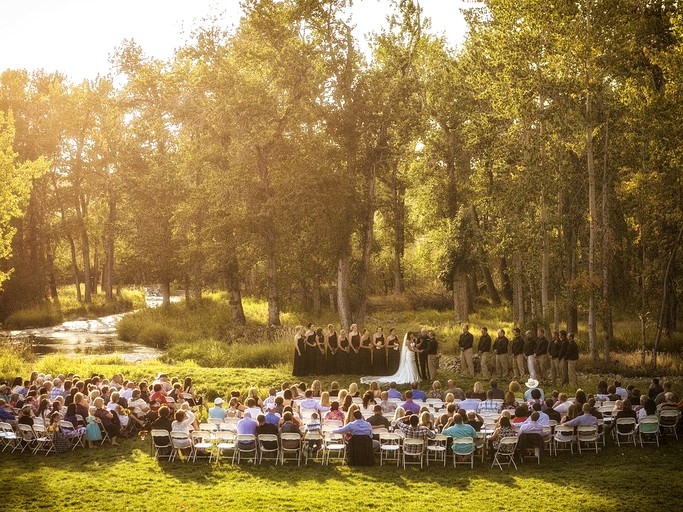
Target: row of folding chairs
{"points": [[34, 438]]}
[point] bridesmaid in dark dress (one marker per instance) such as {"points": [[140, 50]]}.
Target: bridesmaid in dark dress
{"points": [[393, 352], [354, 353], [321, 353], [310, 357], [333, 349], [365, 355], [379, 353], [343, 354], [299, 369]]}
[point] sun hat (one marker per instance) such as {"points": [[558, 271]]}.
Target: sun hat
{"points": [[218, 401], [531, 383]]}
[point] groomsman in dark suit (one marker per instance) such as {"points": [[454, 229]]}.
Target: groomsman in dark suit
{"points": [[423, 347]]}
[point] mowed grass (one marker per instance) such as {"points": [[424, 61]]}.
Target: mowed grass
{"points": [[129, 478]]}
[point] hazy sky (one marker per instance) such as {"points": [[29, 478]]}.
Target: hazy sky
{"points": [[76, 36]]}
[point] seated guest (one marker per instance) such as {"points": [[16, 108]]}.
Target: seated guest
{"points": [[347, 403], [375, 389], [368, 402], [521, 413], [532, 384], [183, 422], [436, 391], [157, 398], [70, 415], [266, 428], [409, 406], [272, 394], [353, 390], [543, 418], [668, 403], [503, 429], [457, 429], [311, 403], [393, 392], [456, 391], [217, 412], [7, 415], [360, 442], [586, 419], [536, 398], [411, 428], [288, 426], [251, 407], [426, 420], [334, 413], [563, 404], [478, 391], [626, 411], [551, 412], [532, 426], [272, 417], [385, 404], [348, 417], [334, 389], [163, 422], [489, 405], [594, 410], [247, 425], [443, 419], [110, 422], [378, 419], [474, 420], [654, 390], [498, 394], [469, 404], [668, 388], [418, 394], [510, 400], [580, 397]]}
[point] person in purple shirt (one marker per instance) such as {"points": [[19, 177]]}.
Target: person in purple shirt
{"points": [[469, 404], [247, 425], [6, 413], [418, 394], [409, 405], [393, 392]]}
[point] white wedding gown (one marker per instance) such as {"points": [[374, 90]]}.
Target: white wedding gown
{"points": [[407, 369]]}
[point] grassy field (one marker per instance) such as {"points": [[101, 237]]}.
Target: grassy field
{"points": [[128, 478]]}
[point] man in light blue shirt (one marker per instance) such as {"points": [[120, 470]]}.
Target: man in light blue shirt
{"points": [[543, 418], [358, 427], [585, 420], [311, 403], [217, 412], [457, 430]]}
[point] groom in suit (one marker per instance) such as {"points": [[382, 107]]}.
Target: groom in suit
{"points": [[423, 343]]}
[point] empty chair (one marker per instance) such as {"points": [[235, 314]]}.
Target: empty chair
{"points": [[203, 444], [334, 448], [437, 448], [389, 448], [225, 443], [8, 437]]}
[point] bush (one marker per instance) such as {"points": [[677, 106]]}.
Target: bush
{"points": [[40, 316], [156, 335]]}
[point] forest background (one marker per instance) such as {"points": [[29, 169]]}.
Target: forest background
{"points": [[535, 169]]}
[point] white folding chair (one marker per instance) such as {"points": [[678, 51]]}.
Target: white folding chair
{"points": [[202, 441], [627, 431], [313, 447], [105, 434], [26, 438], [290, 444], [161, 440], [44, 440], [648, 427], [181, 441], [564, 439], [68, 429], [245, 445], [413, 452], [334, 447], [506, 450], [7, 436], [463, 447], [389, 448], [225, 442], [668, 421], [437, 448], [268, 444], [587, 435]]}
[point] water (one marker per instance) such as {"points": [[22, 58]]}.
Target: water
{"points": [[87, 337]]}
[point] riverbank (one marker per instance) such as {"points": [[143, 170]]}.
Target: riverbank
{"points": [[68, 308]]}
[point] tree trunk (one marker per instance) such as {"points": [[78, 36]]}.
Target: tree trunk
{"points": [[665, 286], [109, 243], [607, 325], [472, 291], [460, 297], [592, 213], [70, 239], [399, 234], [317, 294], [506, 285], [95, 271], [273, 294], [517, 291], [545, 265], [483, 261], [234, 291], [343, 283], [368, 235], [166, 293], [331, 298], [188, 285], [643, 303], [85, 247], [52, 281]]}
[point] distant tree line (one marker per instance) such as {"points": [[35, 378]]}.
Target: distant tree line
{"points": [[538, 164]]}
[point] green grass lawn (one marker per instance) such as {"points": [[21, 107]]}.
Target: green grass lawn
{"points": [[128, 478]]}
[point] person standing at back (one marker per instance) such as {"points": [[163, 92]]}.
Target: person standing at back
{"points": [[484, 350], [517, 355], [562, 357], [572, 357], [500, 348], [541, 354], [432, 355], [530, 353], [422, 346], [554, 353], [465, 343]]}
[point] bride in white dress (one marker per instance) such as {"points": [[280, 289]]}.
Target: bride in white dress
{"points": [[407, 367]]}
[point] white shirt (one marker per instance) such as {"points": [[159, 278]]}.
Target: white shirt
{"points": [[622, 393], [531, 427], [254, 411], [184, 426], [543, 419], [138, 406], [562, 407], [312, 403], [127, 393]]}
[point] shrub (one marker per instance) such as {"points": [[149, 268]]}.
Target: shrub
{"points": [[39, 316]]}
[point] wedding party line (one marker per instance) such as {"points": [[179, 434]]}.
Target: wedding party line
{"points": [[385, 359]]}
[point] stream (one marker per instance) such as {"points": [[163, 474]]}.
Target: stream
{"points": [[86, 337]]}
